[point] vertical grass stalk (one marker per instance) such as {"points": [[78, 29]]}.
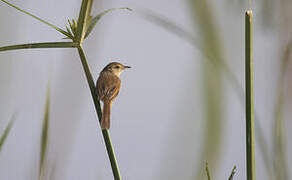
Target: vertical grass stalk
{"points": [[105, 133], [249, 80]]}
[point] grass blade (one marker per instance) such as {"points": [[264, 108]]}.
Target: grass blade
{"points": [[37, 18], [94, 20], [39, 45], [105, 133], [44, 135], [250, 144], [6, 131]]}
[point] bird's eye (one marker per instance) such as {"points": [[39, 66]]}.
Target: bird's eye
{"points": [[117, 67]]}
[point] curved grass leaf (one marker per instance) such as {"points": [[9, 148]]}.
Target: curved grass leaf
{"points": [[93, 21], [169, 25], [39, 19], [6, 132]]}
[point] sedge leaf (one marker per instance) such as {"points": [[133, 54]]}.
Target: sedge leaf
{"points": [[93, 21]]}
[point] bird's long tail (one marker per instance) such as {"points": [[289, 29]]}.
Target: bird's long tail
{"points": [[105, 119]]}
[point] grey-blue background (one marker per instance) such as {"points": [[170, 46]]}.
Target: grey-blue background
{"points": [[158, 120]]}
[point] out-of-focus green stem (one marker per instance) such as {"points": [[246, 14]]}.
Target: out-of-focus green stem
{"points": [[45, 135], [279, 148], [212, 83], [232, 173], [39, 45], [208, 172], [249, 81], [6, 131], [105, 133]]}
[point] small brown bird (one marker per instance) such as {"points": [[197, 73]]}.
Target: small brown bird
{"points": [[108, 86]]}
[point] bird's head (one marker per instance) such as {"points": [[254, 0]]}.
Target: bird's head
{"points": [[115, 68]]}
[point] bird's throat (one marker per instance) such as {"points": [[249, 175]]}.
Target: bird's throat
{"points": [[117, 73]]}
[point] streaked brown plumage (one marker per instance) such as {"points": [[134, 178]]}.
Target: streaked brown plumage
{"points": [[108, 86]]}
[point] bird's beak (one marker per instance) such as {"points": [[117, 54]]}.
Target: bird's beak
{"points": [[127, 67]]}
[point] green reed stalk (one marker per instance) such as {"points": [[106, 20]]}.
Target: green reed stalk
{"points": [[249, 81]]}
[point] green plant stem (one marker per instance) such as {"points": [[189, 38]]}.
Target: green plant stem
{"points": [[105, 133], [250, 145], [39, 45]]}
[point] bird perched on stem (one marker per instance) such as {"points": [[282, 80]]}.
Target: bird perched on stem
{"points": [[108, 86]]}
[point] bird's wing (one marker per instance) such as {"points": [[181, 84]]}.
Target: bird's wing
{"points": [[108, 87]]}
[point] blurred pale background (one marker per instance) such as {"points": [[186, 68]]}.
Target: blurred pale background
{"points": [[162, 115]]}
